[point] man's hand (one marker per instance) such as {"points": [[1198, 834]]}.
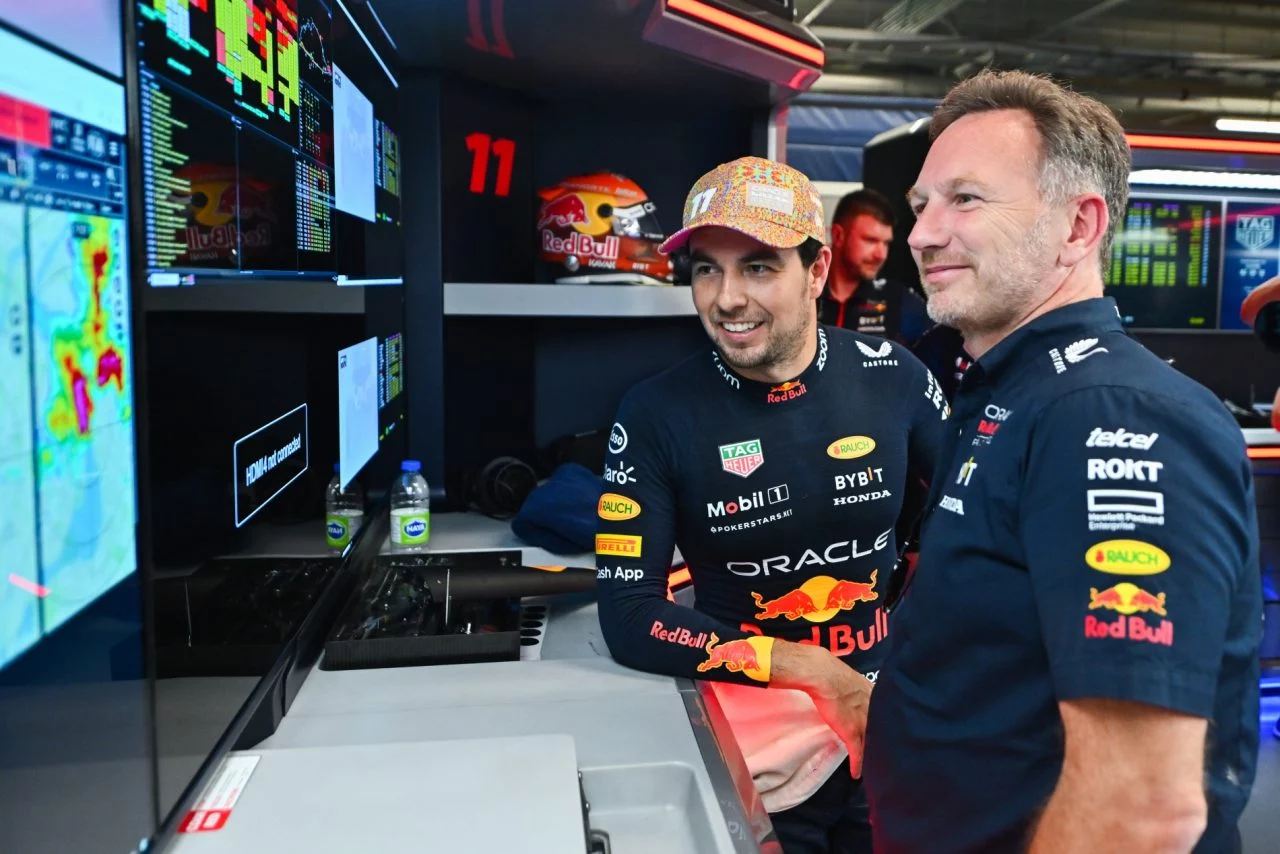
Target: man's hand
{"points": [[841, 694]]}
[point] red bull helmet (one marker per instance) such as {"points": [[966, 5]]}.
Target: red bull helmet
{"points": [[601, 228]]}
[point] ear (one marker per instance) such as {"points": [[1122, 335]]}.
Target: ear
{"points": [[1087, 224], [837, 234], [818, 271]]}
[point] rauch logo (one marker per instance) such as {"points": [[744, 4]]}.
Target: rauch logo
{"points": [[851, 447], [1127, 557], [616, 507]]}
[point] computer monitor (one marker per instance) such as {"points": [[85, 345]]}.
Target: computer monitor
{"points": [[270, 147], [273, 328], [67, 480], [1165, 266], [76, 768], [1252, 254]]}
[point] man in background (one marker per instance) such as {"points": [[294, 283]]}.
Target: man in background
{"points": [[856, 297]]}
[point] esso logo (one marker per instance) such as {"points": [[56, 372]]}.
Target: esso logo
{"points": [[617, 438]]}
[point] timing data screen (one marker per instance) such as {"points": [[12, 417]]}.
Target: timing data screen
{"points": [[67, 507], [1165, 267], [268, 144]]}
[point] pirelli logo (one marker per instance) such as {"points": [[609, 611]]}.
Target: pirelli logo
{"points": [[618, 544]]}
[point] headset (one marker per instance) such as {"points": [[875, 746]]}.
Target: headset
{"points": [[1261, 310], [500, 488]]}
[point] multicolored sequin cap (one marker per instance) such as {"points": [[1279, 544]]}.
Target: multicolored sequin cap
{"points": [[769, 201]]}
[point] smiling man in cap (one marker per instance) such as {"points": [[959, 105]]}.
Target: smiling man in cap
{"points": [[777, 461]]}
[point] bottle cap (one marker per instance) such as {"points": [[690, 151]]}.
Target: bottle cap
{"points": [[337, 468], [411, 465]]}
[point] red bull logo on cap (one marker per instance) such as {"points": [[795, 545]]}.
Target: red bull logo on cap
{"points": [[1126, 598], [818, 599]]}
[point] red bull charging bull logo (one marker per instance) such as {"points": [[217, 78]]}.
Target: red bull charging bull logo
{"points": [[1126, 598], [562, 212], [818, 599], [751, 656]]}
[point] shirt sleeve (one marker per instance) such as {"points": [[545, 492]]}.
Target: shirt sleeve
{"points": [[1132, 516], [635, 539]]}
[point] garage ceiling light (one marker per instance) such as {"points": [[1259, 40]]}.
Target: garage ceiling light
{"points": [[1198, 178], [1247, 126]]}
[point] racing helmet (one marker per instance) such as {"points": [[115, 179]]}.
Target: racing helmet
{"points": [[601, 228]]}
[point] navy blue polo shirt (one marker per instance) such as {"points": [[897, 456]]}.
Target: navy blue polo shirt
{"points": [[1091, 534]]}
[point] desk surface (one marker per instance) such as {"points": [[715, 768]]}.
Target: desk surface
{"points": [[645, 765]]}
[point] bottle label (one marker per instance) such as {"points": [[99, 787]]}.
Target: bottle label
{"points": [[337, 530], [413, 528]]}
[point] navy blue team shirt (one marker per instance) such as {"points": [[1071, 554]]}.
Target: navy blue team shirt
{"points": [[1091, 534], [783, 499]]}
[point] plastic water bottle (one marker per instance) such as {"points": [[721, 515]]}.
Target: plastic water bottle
{"points": [[410, 509], [344, 511]]}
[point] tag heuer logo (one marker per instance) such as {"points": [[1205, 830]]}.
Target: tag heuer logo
{"points": [[1255, 232], [742, 458]]}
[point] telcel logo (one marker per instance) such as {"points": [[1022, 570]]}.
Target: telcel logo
{"points": [[1120, 438], [616, 507], [851, 447], [1127, 557]]}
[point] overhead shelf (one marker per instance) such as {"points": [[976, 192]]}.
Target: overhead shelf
{"points": [[490, 300]]}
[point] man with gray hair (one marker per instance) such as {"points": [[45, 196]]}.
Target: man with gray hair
{"points": [[1073, 664]]}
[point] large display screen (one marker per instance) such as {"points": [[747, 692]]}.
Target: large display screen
{"points": [[67, 522], [1165, 269], [269, 143], [1252, 253]]}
